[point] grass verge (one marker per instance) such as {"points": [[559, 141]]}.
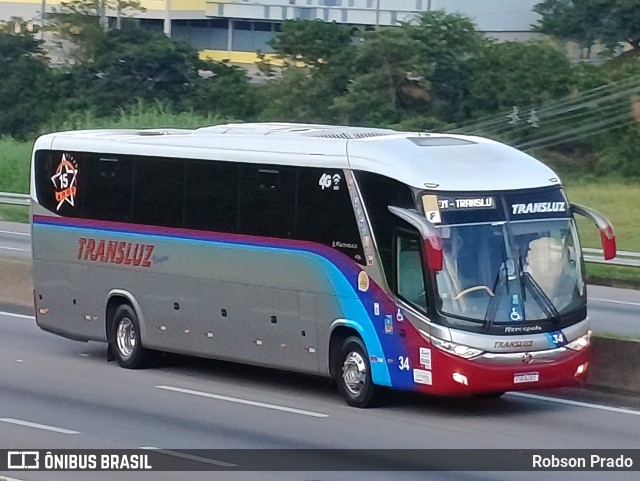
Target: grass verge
{"points": [[619, 201], [14, 213], [15, 159], [613, 276]]}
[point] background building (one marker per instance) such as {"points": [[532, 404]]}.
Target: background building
{"points": [[236, 29]]}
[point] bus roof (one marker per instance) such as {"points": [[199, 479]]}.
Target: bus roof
{"points": [[443, 162]]}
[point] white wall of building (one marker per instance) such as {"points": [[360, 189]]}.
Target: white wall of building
{"points": [[490, 15], [503, 19]]}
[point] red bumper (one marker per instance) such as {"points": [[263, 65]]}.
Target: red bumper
{"points": [[455, 376]]}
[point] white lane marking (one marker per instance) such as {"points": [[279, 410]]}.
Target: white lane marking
{"points": [[610, 301], [575, 403], [14, 233], [21, 316], [14, 249], [244, 401], [191, 457], [38, 426]]}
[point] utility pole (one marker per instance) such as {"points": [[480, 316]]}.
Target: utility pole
{"points": [[102, 15], [167, 18], [377, 13], [43, 7]]}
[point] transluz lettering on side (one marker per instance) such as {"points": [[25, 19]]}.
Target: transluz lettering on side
{"points": [[115, 252]]}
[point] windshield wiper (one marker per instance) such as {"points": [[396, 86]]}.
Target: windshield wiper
{"points": [[492, 306], [541, 298]]}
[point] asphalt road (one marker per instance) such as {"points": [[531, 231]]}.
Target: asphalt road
{"points": [[56, 393], [614, 311], [15, 240]]}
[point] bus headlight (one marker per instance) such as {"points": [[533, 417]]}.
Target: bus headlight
{"points": [[461, 350], [580, 343]]}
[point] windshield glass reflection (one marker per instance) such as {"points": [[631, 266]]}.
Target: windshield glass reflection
{"points": [[510, 272]]}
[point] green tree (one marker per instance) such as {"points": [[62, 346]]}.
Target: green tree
{"points": [[587, 22], [317, 60], [296, 96], [135, 63], [116, 68], [313, 43], [416, 70], [76, 23], [225, 90], [518, 74], [76, 26], [23, 84], [390, 78], [620, 154], [448, 42]]}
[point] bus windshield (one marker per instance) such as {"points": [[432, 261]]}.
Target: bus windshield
{"points": [[510, 272]]}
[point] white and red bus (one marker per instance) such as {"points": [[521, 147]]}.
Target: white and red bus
{"points": [[444, 264]]}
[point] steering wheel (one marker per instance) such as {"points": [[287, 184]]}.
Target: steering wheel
{"points": [[472, 289]]}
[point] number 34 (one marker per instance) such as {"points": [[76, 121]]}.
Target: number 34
{"points": [[404, 363]]}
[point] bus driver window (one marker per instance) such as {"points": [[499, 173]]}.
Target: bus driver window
{"points": [[547, 262]]}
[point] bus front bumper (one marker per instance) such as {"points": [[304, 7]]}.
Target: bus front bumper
{"points": [[507, 372]]}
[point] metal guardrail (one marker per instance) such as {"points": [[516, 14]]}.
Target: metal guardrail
{"points": [[623, 258], [12, 198]]}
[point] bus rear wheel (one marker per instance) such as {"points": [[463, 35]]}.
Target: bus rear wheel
{"points": [[125, 339], [353, 375]]}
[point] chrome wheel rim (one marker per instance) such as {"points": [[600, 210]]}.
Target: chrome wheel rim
{"points": [[354, 373], [126, 338]]}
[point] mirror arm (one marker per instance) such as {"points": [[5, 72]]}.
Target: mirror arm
{"points": [[427, 229], [601, 221], [604, 226], [431, 239]]}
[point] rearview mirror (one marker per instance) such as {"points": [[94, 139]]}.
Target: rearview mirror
{"points": [[607, 237], [431, 239]]}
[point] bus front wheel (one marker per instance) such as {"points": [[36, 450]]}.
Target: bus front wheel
{"points": [[125, 341], [354, 375]]}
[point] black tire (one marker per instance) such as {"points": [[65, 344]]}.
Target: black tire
{"points": [[125, 341], [353, 375]]}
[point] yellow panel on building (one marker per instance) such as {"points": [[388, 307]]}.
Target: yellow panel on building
{"points": [[245, 58], [32, 2], [176, 5]]}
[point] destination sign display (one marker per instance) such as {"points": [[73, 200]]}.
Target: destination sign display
{"points": [[460, 208]]}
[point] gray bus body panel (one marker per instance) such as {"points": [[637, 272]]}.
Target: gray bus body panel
{"points": [[279, 304]]}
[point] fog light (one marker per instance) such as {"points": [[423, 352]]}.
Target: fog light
{"points": [[582, 368], [459, 378]]}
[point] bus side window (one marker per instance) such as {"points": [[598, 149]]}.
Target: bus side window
{"points": [[378, 193], [325, 213], [267, 200], [409, 269], [211, 196], [158, 191], [108, 191]]}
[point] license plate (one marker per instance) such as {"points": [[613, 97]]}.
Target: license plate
{"points": [[526, 377]]}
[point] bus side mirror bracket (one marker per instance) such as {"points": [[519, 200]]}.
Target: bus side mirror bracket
{"points": [[431, 239], [607, 237]]}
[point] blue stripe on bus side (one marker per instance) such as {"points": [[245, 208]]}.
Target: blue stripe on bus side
{"points": [[348, 298], [354, 311]]}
